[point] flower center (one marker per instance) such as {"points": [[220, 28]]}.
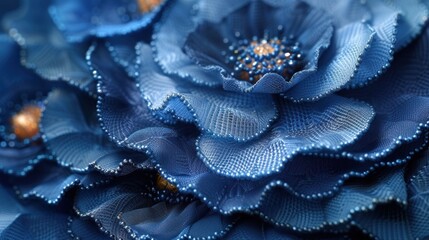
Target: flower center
{"points": [[253, 59], [25, 123], [147, 5], [263, 49]]}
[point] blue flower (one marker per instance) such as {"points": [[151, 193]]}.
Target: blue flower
{"points": [[311, 146], [198, 119], [80, 19], [310, 54], [20, 149]]}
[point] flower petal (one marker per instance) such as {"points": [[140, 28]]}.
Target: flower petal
{"points": [[311, 27], [418, 212], [254, 228], [168, 41], [337, 65], [400, 98], [121, 108], [50, 182], [355, 197], [122, 49], [38, 226], [329, 123], [82, 18], [20, 161], [378, 56], [9, 208], [393, 221], [175, 155], [84, 228], [148, 215], [414, 16], [71, 133], [225, 114], [343, 12], [35, 221], [46, 50]]}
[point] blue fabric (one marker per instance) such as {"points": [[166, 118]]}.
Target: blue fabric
{"points": [[80, 19], [224, 114], [373, 43], [253, 228], [84, 228], [197, 170], [256, 20], [10, 209], [410, 222], [200, 119], [17, 157], [300, 127], [400, 99], [23, 221], [378, 57], [157, 215], [5, 8], [46, 50], [348, 45], [50, 182], [190, 171], [74, 138]]}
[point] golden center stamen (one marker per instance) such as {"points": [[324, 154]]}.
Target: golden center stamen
{"points": [[263, 49], [147, 5], [163, 184], [251, 60], [25, 124]]}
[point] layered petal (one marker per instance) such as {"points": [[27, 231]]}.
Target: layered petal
{"points": [[123, 211], [45, 50], [10, 209], [71, 133], [414, 16], [168, 40], [391, 221], [174, 151], [20, 88], [328, 123], [311, 28], [50, 182], [335, 146], [224, 114], [82, 18], [380, 53], [337, 66], [30, 220], [400, 101]]}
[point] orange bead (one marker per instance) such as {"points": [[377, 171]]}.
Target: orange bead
{"points": [[163, 184], [25, 124], [147, 5]]}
